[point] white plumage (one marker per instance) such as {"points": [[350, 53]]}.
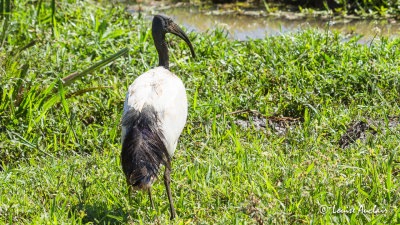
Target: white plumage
{"points": [[164, 91]]}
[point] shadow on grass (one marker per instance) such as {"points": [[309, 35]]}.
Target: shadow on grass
{"points": [[102, 213]]}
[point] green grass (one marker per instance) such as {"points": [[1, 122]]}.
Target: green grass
{"points": [[60, 148]]}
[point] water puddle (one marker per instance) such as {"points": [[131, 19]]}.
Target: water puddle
{"points": [[244, 27]]}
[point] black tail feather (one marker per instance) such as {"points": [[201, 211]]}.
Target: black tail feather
{"points": [[143, 151]]}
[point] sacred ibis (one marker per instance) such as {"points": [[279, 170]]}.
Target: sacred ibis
{"points": [[154, 115]]}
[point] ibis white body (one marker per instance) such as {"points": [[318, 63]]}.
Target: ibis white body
{"points": [[165, 92]]}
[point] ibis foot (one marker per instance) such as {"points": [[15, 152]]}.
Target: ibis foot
{"points": [[167, 181]]}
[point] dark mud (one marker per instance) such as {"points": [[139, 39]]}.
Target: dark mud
{"points": [[360, 130]]}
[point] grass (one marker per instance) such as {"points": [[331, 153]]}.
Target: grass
{"points": [[60, 144]]}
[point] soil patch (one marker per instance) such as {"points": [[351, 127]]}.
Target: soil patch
{"points": [[259, 122], [361, 130]]}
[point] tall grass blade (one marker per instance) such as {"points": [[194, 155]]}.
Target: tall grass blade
{"points": [[19, 88], [6, 21], [53, 18], [67, 112], [25, 142], [39, 6], [1, 8], [45, 105], [266, 6], [81, 92], [74, 76], [62, 96]]}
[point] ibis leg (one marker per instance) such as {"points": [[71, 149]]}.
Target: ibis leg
{"points": [[167, 181], [151, 198]]}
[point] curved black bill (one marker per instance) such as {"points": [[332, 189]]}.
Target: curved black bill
{"points": [[175, 29]]}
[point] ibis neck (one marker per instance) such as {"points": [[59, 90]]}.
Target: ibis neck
{"points": [[162, 49]]}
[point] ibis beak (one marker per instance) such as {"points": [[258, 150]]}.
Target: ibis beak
{"points": [[175, 29]]}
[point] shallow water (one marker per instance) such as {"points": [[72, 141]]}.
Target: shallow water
{"points": [[244, 27]]}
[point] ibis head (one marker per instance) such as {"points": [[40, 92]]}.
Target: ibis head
{"points": [[161, 26]]}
